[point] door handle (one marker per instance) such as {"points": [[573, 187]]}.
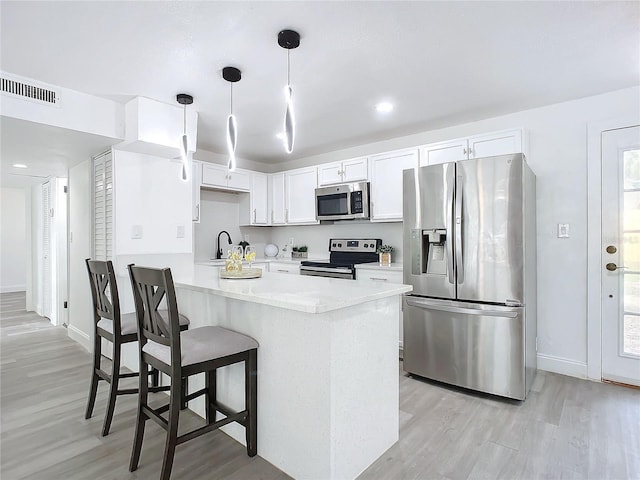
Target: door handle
{"points": [[458, 228], [612, 267], [449, 239]]}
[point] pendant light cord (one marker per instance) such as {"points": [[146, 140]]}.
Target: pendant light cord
{"points": [[289, 67], [231, 100], [184, 118]]}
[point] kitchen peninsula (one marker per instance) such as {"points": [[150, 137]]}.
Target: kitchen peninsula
{"points": [[327, 365]]}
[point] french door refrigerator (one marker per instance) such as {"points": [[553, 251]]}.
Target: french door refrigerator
{"points": [[470, 254]]}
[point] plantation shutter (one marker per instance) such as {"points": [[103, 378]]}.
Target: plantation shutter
{"points": [[103, 206]]}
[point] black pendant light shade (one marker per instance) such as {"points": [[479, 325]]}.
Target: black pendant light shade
{"points": [[289, 39], [184, 100], [231, 75]]}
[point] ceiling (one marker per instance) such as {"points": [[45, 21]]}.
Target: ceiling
{"points": [[440, 63]]}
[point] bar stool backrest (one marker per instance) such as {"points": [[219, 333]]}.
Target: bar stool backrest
{"points": [[150, 287], [104, 292]]}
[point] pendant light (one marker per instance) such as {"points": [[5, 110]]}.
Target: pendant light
{"points": [[289, 39], [184, 100], [231, 75]]}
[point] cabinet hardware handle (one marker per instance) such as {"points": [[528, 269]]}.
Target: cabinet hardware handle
{"points": [[271, 216], [379, 278], [464, 151], [197, 212], [284, 271], [255, 215], [286, 215], [470, 151]]}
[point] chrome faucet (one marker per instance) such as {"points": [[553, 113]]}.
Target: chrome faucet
{"points": [[218, 249]]}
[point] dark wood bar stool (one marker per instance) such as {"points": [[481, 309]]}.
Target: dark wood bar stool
{"points": [[182, 354], [118, 329]]}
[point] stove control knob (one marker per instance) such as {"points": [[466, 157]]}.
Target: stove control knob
{"points": [[366, 245], [333, 245], [339, 245]]}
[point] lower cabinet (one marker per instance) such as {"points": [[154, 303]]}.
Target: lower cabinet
{"points": [[284, 267], [380, 274]]}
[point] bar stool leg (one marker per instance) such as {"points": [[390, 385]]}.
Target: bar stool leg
{"points": [[143, 395], [251, 402], [211, 395], [113, 391], [93, 388], [172, 427]]}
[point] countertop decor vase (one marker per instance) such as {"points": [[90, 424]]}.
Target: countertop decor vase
{"points": [[385, 258]]}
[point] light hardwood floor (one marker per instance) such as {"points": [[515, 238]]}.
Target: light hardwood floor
{"points": [[567, 428]]}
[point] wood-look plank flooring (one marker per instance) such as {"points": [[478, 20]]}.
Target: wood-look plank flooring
{"points": [[567, 428]]}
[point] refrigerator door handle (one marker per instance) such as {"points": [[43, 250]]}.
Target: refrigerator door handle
{"points": [[449, 218], [458, 227], [453, 309]]}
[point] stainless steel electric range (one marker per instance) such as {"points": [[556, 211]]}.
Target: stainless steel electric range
{"points": [[344, 254]]}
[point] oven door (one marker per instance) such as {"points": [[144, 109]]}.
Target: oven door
{"points": [[332, 272], [333, 206]]}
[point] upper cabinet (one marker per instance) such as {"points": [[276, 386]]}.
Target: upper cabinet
{"points": [[218, 176], [277, 199], [300, 185], [196, 180], [478, 146], [347, 171], [385, 175], [254, 206]]}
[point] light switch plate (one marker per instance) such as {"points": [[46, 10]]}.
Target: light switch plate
{"points": [[136, 232], [563, 230]]}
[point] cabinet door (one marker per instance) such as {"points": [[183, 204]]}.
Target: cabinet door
{"points": [[385, 175], [239, 180], [214, 175], [330, 173], [300, 188], [497, 143], [259, 199], [355, 170], [196, 180], [444, 152], [277, 197]]}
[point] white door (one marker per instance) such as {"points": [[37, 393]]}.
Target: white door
{"points": [[621, 255], [45, 280]]}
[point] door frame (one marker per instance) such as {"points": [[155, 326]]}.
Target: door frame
{"points": [[594, 237]]}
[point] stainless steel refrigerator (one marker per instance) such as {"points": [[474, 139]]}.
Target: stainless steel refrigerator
{"points": [[470, 254]]}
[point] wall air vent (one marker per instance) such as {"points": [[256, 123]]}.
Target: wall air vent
{"points": [[31, 92]]}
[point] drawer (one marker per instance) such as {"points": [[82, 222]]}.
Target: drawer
{"points": [[379, 275], [275, 267]]}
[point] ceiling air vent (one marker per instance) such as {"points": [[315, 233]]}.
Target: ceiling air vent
{"points": [[25, 90]]}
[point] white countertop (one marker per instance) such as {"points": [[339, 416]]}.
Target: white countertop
{"points": [[394, 266], [288, 259], [294, 292]]}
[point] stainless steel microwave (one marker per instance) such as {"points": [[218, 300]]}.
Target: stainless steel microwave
{"points": [[347, 201]]}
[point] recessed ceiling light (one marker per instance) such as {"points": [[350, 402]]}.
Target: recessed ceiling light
{"points": [[384, 107], [19, 165]]}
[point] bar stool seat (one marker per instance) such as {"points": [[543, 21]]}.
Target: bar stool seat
{"points": [[129, 324], [203, 344]]}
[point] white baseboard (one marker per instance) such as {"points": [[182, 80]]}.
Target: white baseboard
{"points": [[561, 365], [13, 288], [79, 336]]}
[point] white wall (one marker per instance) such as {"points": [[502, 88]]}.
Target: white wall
{"points": [[13, 240], [80, 317], [556, 147], [219, 211], [150, 194]]}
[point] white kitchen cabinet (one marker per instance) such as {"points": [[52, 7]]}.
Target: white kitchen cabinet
{"points": [[196, 180], [254, 206], [385, 175], [284, 267], [478, 146], [277, 199], [347, 171], [218, 176], [300, 205]]}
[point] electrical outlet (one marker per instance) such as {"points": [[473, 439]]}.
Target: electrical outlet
{"points": [[563, 230], [290, 240], [180, 231], [136, 232]]}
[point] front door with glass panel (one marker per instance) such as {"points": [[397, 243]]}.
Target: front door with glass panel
{"points": [[621, 255]]}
